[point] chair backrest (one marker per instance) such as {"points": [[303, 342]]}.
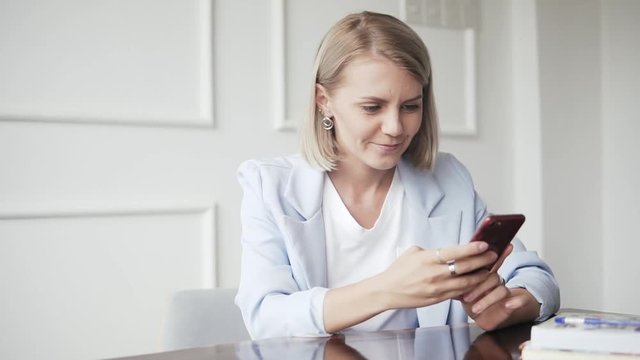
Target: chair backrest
{"points": [[203, 317]]}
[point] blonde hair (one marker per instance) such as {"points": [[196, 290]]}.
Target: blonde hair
{"points": [[369, 33]]}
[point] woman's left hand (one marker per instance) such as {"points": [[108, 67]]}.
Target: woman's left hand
{"points": [[512, 307], [492, 305]]}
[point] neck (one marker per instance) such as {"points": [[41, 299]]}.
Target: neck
{"points": [[356, 181]]}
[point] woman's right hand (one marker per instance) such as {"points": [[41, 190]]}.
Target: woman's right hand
{"points": [[419, 277]]}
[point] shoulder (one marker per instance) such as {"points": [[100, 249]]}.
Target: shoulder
{"points": [[272, 167], [289, 178], [271, 164], [449, 168], [278, 173], [452, 175]]}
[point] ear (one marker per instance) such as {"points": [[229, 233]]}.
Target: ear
{"points": [[322, 99]]}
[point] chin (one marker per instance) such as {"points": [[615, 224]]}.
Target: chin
{"points": [[384, 163]]}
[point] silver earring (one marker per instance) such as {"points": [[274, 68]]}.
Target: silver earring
{"points": [[327, 123]]}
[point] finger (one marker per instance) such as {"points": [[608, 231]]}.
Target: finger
{"points": [[441, 260], [523, 345], [515, 302], [491, 298], [456, 288], [507, 251], [493, 281], [462, 284], [475, 262], [461, 251]]}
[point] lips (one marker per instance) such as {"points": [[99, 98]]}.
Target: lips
{"points": [[389, 147]]}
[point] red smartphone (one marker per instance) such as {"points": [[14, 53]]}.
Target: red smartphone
{"points": [[498, 230]]}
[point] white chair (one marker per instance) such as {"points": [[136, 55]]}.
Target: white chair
{"points": [[203, 317]]}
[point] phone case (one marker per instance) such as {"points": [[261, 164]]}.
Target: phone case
{"points": [[498, 230]]}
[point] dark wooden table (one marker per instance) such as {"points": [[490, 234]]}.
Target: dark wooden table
{"points": [[442, 342]]}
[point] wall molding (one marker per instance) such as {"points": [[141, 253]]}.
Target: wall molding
{"points": [[278, 67], [207, 213], [90, 119], [206, 64], [469, 123], [204, 118]]}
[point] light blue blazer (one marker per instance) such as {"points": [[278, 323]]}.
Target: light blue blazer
{"points": [[284, 272]]}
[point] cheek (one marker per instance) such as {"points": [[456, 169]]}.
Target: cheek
{"points": [[366, 129], [355, 125], [414, 124]]}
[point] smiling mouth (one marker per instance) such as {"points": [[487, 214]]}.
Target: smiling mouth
{"points": [[389, 146]]}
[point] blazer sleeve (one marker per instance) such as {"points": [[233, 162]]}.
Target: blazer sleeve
{"points": [[523, 268], [271, 302]]}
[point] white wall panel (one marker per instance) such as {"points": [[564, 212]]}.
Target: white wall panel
{"points": [[143, 62], [101, 224], [571, 135], [97, 284], [621, 167], [57, 165], [453, 57]]}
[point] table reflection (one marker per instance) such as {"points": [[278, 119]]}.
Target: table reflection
{"points": [[459, 342]]}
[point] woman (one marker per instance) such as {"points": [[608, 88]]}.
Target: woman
{"points": [[370, 228]]}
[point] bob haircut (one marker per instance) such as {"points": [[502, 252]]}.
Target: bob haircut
{"points": [[365, 34]]}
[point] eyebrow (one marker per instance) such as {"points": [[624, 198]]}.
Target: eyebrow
{"points": [[381, 100]]}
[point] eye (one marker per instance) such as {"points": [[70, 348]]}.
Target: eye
{"points": [[370, 108], [411, 107]]}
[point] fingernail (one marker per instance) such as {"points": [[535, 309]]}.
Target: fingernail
{"points": [[476, 309], [482, 245], [468, 298]]}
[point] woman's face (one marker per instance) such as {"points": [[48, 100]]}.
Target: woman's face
{"points": [[377, 110]]}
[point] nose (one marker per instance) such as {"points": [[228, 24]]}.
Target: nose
{"points": [[392, 123]]}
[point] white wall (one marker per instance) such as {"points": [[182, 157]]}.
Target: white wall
{"points": [[107, 136], [525, 115], [588, 54], [621, 166], [570, 107], [244, 107]]}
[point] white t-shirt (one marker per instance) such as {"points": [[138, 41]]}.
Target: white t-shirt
{"points": [[355, 253]]}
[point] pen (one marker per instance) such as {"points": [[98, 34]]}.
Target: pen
{"points": [[596, 321]]}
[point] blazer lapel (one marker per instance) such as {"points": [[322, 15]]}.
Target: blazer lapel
{"points": [[309, 250], [423, 194], [305, 230], [421, 187], [429, 231]]}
